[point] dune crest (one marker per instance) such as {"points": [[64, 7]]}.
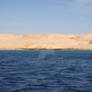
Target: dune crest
{"points": [[46, 41]]}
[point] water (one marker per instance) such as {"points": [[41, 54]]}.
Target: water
{"points": [[46, 71]]}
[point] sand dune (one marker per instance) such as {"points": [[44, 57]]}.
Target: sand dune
{"points": [[46, 41]]}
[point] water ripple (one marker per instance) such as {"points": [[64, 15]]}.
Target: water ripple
{"points": [[45, 71]]}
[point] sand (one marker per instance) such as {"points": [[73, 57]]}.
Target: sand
{"points": [[46, 41]]}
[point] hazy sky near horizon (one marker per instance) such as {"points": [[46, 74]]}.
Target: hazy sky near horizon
{"points": [[45, 16]]}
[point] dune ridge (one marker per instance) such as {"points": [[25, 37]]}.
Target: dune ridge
{"points": [[46, 41]]}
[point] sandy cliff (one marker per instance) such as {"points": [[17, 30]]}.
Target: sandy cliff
{"points": [[46, 41]]}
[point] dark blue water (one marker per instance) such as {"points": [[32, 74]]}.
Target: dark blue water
{"points": [[46, 71]]}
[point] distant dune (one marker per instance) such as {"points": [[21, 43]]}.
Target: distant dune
{"points": [[46, 41]]}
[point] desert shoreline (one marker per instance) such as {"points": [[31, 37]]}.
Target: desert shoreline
{"points": [[45, 49], [46, 42]]}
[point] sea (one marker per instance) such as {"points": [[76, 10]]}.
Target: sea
{"points": [[45, 71]]}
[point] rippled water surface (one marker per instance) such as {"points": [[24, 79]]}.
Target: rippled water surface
{"points": [[45, 71]]}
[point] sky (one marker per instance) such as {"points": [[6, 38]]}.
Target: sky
{"points": [[45, 16]]}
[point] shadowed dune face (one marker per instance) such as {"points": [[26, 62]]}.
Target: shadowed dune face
{"points": [[46, 41], [90, 42]]}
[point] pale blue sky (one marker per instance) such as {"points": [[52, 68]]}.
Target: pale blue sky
{"points": [[45, 16]]}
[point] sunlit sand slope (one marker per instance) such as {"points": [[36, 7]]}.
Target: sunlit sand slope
{"points": [[46, 41]]}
